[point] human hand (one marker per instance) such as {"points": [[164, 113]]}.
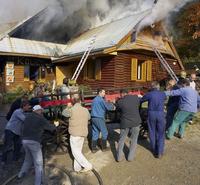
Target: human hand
{"points": [[56, 123]]}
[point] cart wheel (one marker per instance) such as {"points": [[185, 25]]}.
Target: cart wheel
{"points": [[62, 137]]}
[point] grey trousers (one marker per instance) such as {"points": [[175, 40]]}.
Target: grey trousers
{"points": [[33, 155], [134, 132]]}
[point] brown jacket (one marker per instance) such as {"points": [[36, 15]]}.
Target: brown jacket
{"points": [[78, 121]]}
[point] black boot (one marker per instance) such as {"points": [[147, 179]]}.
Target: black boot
{"points": [[104, 147], [94, 146]]}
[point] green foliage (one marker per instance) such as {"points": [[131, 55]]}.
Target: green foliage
{"points": [[11, 95], [185, 28]]}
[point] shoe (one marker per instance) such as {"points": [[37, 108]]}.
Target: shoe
{"points": [[178, 135], [119, 160], [129, 160], [104, 147], [168, 138], [158, 156], [21, 176], [94, 148]]}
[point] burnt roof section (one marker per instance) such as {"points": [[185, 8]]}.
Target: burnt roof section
{"points": [[35, 28]]}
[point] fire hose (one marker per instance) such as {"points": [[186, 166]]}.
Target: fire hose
{"points": [[72, 181]]}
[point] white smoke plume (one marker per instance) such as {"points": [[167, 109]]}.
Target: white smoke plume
{"points": [[71, 17], [162, 10]]}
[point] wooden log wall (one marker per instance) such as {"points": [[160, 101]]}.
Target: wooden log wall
{"points": [[107, 75], [19, 79], [116, 71]]}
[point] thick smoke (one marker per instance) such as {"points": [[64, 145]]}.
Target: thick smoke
{"points": [[162, 10], [64, 19]]}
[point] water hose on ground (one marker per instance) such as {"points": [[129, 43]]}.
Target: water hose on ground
{"points": [[62, 170]]}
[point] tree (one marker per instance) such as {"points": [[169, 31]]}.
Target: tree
{"points": [[189, 20], [186, 31]]}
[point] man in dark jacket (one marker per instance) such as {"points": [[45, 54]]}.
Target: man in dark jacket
{"points": [[34, 126], [156, 118], [172, 104], [130, 121]]}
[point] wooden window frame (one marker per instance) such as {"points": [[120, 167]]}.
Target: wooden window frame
{"points": [[146, 72], [39, 76], [97, 69]]}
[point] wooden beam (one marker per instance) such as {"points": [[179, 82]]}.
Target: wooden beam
{"points": [[109, 50], [113, 53]]}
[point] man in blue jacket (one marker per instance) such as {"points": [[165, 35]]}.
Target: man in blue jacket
{"points": [[187, 108], [13, 132], [99, 108], [156, 118]]}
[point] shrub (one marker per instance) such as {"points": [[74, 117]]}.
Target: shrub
{"points": [[10, 96]]}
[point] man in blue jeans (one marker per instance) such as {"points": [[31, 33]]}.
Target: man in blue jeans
{"points": [[187, 108], [99, 108], [13, 132], [130, 121], [156, 118], [34, 126]]}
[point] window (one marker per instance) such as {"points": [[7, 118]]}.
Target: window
{"points": [[141, 70], [92, 70], [34, 73]]}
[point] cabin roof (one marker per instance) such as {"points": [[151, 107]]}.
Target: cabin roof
{"points": [[107, 35], [22, 47]]}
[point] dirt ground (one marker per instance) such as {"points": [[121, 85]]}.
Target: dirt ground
{"points": [[179, 166]]}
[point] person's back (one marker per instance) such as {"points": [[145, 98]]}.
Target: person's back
{"points": [[156, 118], [129, 108], [78, 122], [156, 99], [15, 122], [188, 99], [34, 126]]}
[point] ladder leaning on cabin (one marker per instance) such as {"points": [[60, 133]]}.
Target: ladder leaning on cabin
{"points": [[83, 59], [165, 64]]}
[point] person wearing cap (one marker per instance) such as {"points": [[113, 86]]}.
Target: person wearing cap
{"points": [[156, 118], [13, 132], [34, 126], [130, 121]]}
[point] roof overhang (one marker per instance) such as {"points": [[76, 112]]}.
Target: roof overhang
{"points": [[99, 52], [23, 55]]}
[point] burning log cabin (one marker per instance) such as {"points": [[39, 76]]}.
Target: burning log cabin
{"points": [[120, 57]]}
